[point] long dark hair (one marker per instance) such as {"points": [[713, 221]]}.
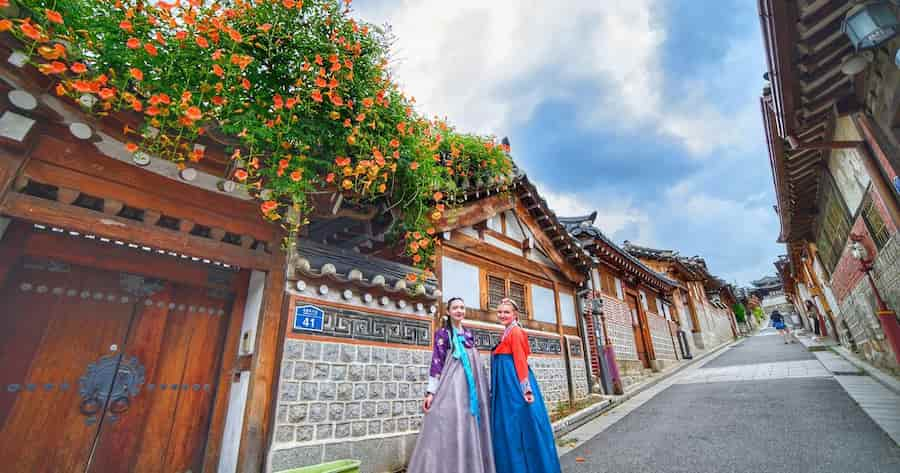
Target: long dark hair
{"points": [[448, 321]]}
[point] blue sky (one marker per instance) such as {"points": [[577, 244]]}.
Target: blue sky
{"points": [[646, 111]]}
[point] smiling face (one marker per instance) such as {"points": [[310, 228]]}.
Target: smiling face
{"points": [[457, 311], [507, 313]]}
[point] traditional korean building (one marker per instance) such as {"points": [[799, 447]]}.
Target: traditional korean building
{"points": [[636, 330], [831, 116], [141, 305], [709, 315]]}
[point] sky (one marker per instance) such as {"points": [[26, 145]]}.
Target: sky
{"points": [[646, 111]]}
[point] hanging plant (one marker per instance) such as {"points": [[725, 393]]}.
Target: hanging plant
{"points": [[299, 88]]}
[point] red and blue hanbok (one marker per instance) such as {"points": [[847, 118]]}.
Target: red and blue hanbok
{"points": [[522, 435]]}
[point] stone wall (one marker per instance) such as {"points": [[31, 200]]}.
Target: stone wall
{"points": [[857, 311], [618, 322], [662, 339], [578, 368]]}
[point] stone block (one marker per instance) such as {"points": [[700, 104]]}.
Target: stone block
{"points": [[415, 423], [391, 357], [290, 391], [412, 408], [360, 391], [423, 373], [348, 353], [374, 427], [322, 371], [383, 409], [336, 411], [412, 373], [324, 431], [389, 426], [404, 357], [303, 370], [297, 457], [331, 352], [376, 390], [338, 372], [284, 433], [385, 372], [345, 392], [404, 391], [358, 428], [371, 373], [368, 410], [327, 391], [281, 415], [402, 424], [287, 370], [398, 373], [353, 411], [390, 390], [356, 372], [397, 408], [318, 412], [378, 355], [298, 413], [309, 391], [363, 354], [305, 433], [312, 351], [342, 431], [293, 350]]}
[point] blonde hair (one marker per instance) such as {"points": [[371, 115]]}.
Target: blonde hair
{"points": [[507, 300]]}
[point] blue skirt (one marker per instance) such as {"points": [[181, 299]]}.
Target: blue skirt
{"points": [[522, 435]]}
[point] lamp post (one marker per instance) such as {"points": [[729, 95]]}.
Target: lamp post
{"points": [[886, 316]]}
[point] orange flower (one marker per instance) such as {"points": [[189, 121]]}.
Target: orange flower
{"points": [[54, 17], [160, 39], [82, 86], [288, 3], [291, 101], [319, 60], [316, 95], [152, 111], [235, 35], [416, 258], [202, 42], [126, 25], [60, 90], [217, 70], [342, 161], [265, 27], [54, 67], [411, 277], [351, 140], [151, 49], [217, 55], [436, 215], [193, 113], [320, 82], [361, 117], [133, 43], [347, 184], [336, 100], [430, 231], [136, 105], [240, 175], [401, 127], [30, 31], [296, 175], [186, 97], [5, 25], [78, 68], [4, 3], [368, 102], [414, 165], [395, 143], [268, 206], [438, 196], [333, 83], [218, 100], [106, 93], [137, 74], [131, 147], [329, 178], [245, 84]]}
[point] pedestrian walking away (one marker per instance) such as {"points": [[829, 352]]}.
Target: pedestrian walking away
{"points": [[455, 435], [783, 330], [523, 437]]}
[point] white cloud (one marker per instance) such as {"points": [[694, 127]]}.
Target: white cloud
{"points": [[487, 65]]}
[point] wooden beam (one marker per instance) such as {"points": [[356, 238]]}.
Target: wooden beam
{"points": [[462, 246], [84, 220], [567, 268], [829, 145], [11, 166], [474, 212], [258, 414]]}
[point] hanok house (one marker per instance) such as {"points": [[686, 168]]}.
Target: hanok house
{"points": [[140, 305], [698, 299], [635, 332], [357, 346], [832, 113]]}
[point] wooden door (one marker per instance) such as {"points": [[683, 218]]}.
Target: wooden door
{"points": [[637, 326], [57, 320], [105, 371]]}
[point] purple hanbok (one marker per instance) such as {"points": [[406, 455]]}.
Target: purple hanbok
{"points": [[455, 435]]}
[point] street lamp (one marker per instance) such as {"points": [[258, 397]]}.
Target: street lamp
{"points": [[886, 316], [870, 24]]}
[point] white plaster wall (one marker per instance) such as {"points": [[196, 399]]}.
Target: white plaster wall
{"points": [[544, 304]]}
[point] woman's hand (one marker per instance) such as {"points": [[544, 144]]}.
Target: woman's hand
{"points": [[529, 397], [426, 406]]}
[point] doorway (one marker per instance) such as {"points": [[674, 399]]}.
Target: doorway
{"points": [[637, 325]]}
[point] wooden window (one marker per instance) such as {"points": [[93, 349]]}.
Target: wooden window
{"points": [[619, 293], [873, 220], [833, 227], [499, 287], [652, 303], [608, 283]]}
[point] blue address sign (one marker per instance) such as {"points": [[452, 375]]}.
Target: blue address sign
{"points": [[309, 318]]}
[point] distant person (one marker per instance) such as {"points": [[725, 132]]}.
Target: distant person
{"points": [[814, 315], [778, 323]]}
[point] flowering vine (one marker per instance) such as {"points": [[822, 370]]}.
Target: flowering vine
{"points": [[300, 89]]}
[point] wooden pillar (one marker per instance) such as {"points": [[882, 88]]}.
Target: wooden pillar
{"points": [[817, 290], [12, 166], [258, 419], [564, 342]]}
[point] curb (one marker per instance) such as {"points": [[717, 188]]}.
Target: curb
{"points": [[890, 382], [573, 421]]}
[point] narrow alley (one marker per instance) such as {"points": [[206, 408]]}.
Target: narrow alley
{"points": [[759, 406]]}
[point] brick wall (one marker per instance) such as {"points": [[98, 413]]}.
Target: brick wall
{"points": [[618, 322], [662, 339], [846, 274]]}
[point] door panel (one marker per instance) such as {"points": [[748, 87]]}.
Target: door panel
{"points": [[180, 334], [639, 343], [57, 321]]}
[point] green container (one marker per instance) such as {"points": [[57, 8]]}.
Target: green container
{"points": [[340, 466]]}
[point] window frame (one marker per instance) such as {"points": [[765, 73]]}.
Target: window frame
{"points": [[525, 310]]}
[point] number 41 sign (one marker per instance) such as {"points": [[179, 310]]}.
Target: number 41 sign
{"points": [[308, 318]]}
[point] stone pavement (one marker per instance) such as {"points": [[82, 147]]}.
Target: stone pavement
{"points": [[761, 406]]}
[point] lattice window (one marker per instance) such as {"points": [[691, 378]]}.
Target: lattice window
{"points": [[498, 288], [876, 225], [834, 227]]}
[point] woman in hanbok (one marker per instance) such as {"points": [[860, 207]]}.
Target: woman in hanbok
{"points": [[523, 437], [455, 436]]}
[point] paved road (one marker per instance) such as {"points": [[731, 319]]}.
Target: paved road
{"points": [[789, 415]]}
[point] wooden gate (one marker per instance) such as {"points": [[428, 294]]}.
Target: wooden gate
{"points": [[638, 326], [103, 370]]}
